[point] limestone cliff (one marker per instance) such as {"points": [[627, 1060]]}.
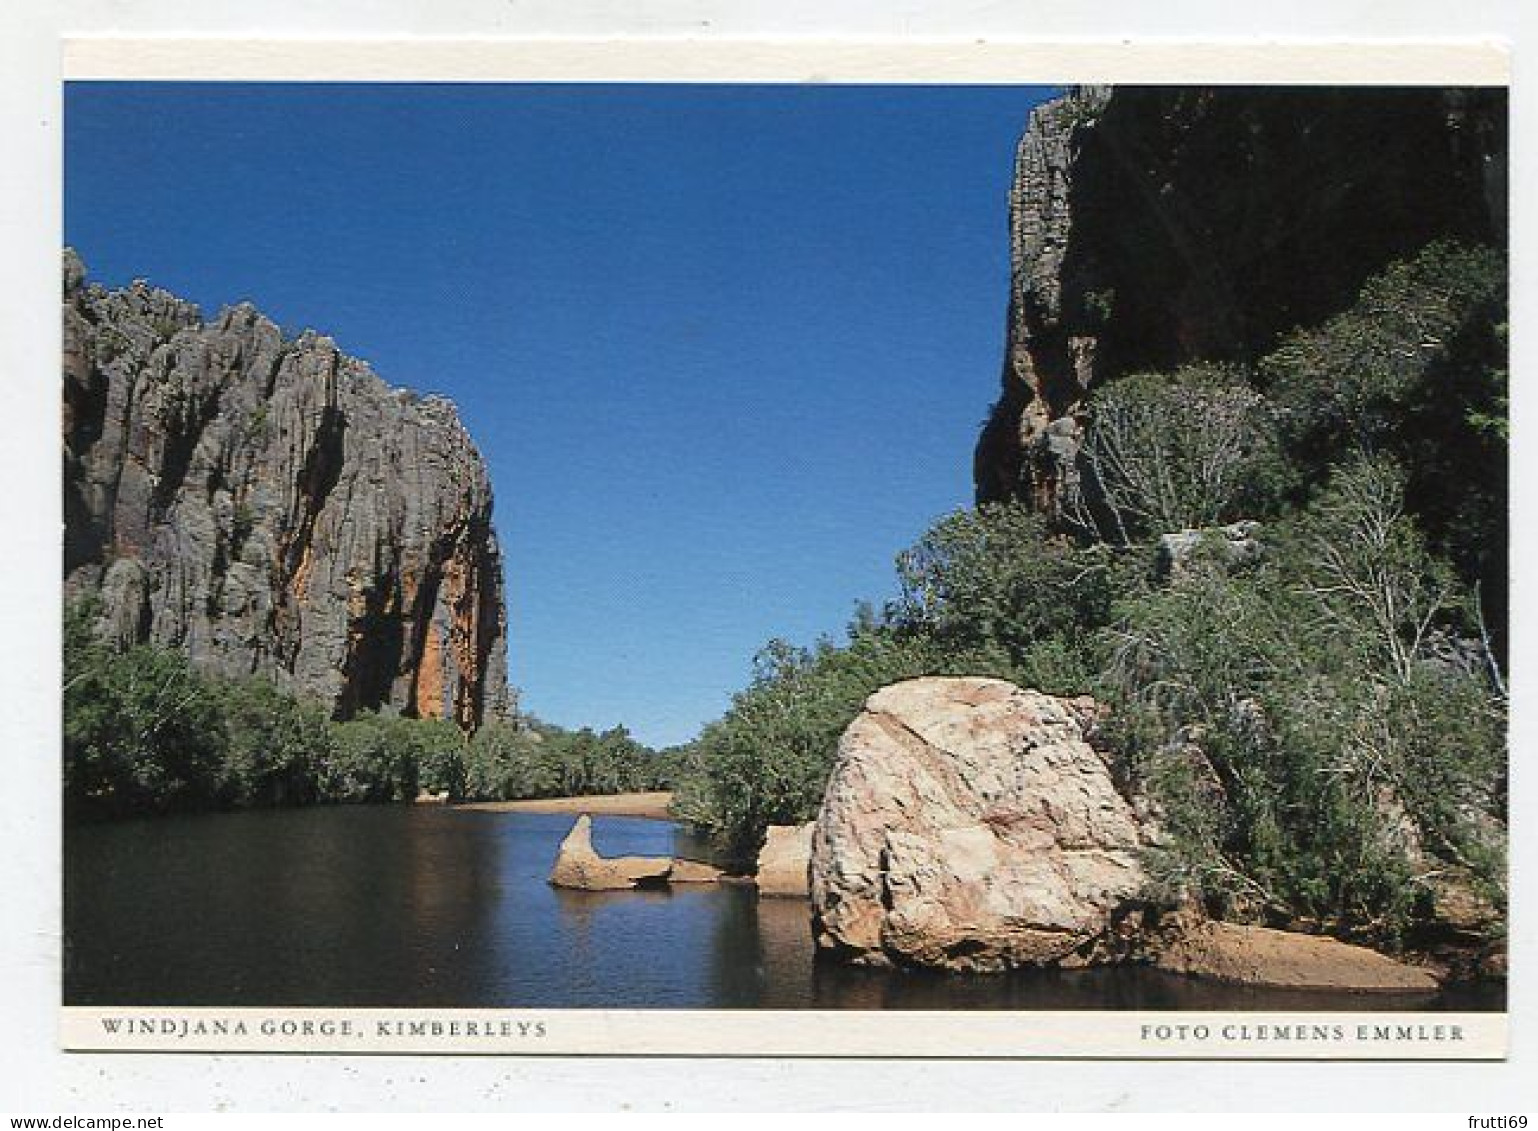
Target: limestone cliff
{"points": [[271, 507], [1152, 226]]}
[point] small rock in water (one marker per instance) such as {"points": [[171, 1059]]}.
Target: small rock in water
{"points": [[693, 872], [785, 860], [578, 866]]}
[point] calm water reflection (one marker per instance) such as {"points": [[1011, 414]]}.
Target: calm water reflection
{"points": [[417, 906]]}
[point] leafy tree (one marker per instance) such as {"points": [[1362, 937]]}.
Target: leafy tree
{"points": [[1354, 383], [1366, 568], [369, 762], [506, 760], [145, 733], [390, 758], [992, 584], [439, 749], [1416, 370], [536, 759]]}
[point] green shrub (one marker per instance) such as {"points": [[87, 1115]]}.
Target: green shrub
{"points": [[505, 761], [1311, 755], [1416, 370], [390, 758], [1181, 451], [536, 759], [995, 582], [767, 761], [141, 730], [1355, 383], [275, 746]]}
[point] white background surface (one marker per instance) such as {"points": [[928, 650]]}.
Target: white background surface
{"points": [[34, 1077]]}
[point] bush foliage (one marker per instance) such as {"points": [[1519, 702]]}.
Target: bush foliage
{"points": [[1181, 451], [1312, 752], [1321, 729], [144, 733]]}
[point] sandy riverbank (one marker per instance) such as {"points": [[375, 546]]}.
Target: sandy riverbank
{"points": [[653, 806]]}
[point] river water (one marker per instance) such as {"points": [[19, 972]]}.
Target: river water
{"points": [[424, 906]]}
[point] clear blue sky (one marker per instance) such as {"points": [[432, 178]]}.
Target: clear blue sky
{"points": [[726, 349]]}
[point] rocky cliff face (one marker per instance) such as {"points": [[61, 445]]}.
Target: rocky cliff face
{"points": [[273, 508], [1153, 226]]}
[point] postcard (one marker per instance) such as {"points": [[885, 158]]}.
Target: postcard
{"points": [[994, 551]]}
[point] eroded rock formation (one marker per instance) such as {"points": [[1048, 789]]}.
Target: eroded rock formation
{"points": [[1154, 226], [271, 507], [968, 825], [578, 865]]}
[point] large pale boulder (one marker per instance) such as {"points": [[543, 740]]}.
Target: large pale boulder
{"points": [[784, 861], [968, 825], [1259, 956], [578, 865]]}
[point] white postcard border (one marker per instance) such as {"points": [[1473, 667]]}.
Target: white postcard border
{"points": [[1183, 1035], [759, 1032], [1443, 62]]}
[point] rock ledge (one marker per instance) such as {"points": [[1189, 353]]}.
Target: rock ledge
{"points": [[1260, 956]]}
